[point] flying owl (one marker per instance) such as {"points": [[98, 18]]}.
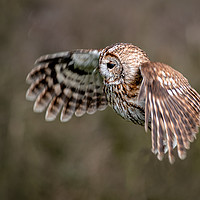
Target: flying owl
{"points": [[151, 94]]}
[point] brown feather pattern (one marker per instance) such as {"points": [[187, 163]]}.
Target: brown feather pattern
{"points": [[174, 108]]}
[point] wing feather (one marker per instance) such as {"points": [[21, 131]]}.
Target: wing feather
{"points": [[147, 108], [160, 130], [153, 125], [169, 132], [43, 100], [174, 108], [68, 82]]}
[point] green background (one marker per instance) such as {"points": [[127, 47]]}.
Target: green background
{"points": [[96, 156]]}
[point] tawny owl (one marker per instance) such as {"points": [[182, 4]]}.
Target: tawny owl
{"points": [[151, 94]]}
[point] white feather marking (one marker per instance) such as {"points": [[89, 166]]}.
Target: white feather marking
{"points": [[57, 67], [48, 71], [65, 118], [57, 89], [181, 90], [174, 91], [165, 82], [170, 92], [172, 81], [178, 90], [160, 80], [163, 73], [67, 91], [71, 62], [30, 96], [60, 77], [50, 116], [49, 81], [75, 95]]}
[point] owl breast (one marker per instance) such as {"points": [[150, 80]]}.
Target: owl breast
{"points": [[125, 103]]}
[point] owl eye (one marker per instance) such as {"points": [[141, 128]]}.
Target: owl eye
{"points": [[110, 65]]}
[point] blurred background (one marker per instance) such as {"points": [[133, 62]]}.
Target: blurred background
{"points": [[96, 156]]}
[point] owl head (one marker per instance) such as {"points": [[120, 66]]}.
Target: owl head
{"points": [[120, 62]]}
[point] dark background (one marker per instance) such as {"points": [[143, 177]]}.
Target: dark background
{"points": [[96, 156]]}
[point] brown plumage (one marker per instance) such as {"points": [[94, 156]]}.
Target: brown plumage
{"points": [[148, 93]]}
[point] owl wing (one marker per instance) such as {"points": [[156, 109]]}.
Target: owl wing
{"points": [[173, 107], [69, 81]]}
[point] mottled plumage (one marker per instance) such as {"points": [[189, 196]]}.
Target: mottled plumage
{"points": [[148, 93], [67, 81]]}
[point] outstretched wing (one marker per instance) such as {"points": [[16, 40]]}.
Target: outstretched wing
{"points": [[69, 81], [173, 107]]}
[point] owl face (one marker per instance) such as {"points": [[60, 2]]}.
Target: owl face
{"points": [[111, 69], [120, 63]]}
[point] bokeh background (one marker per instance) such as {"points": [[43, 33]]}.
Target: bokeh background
{"points": [[96, 156]]}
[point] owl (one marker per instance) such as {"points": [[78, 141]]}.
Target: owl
{"points": [[151, 94]]}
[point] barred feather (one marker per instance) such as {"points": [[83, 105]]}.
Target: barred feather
{"points": [[174, 108], [67, 82]]}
